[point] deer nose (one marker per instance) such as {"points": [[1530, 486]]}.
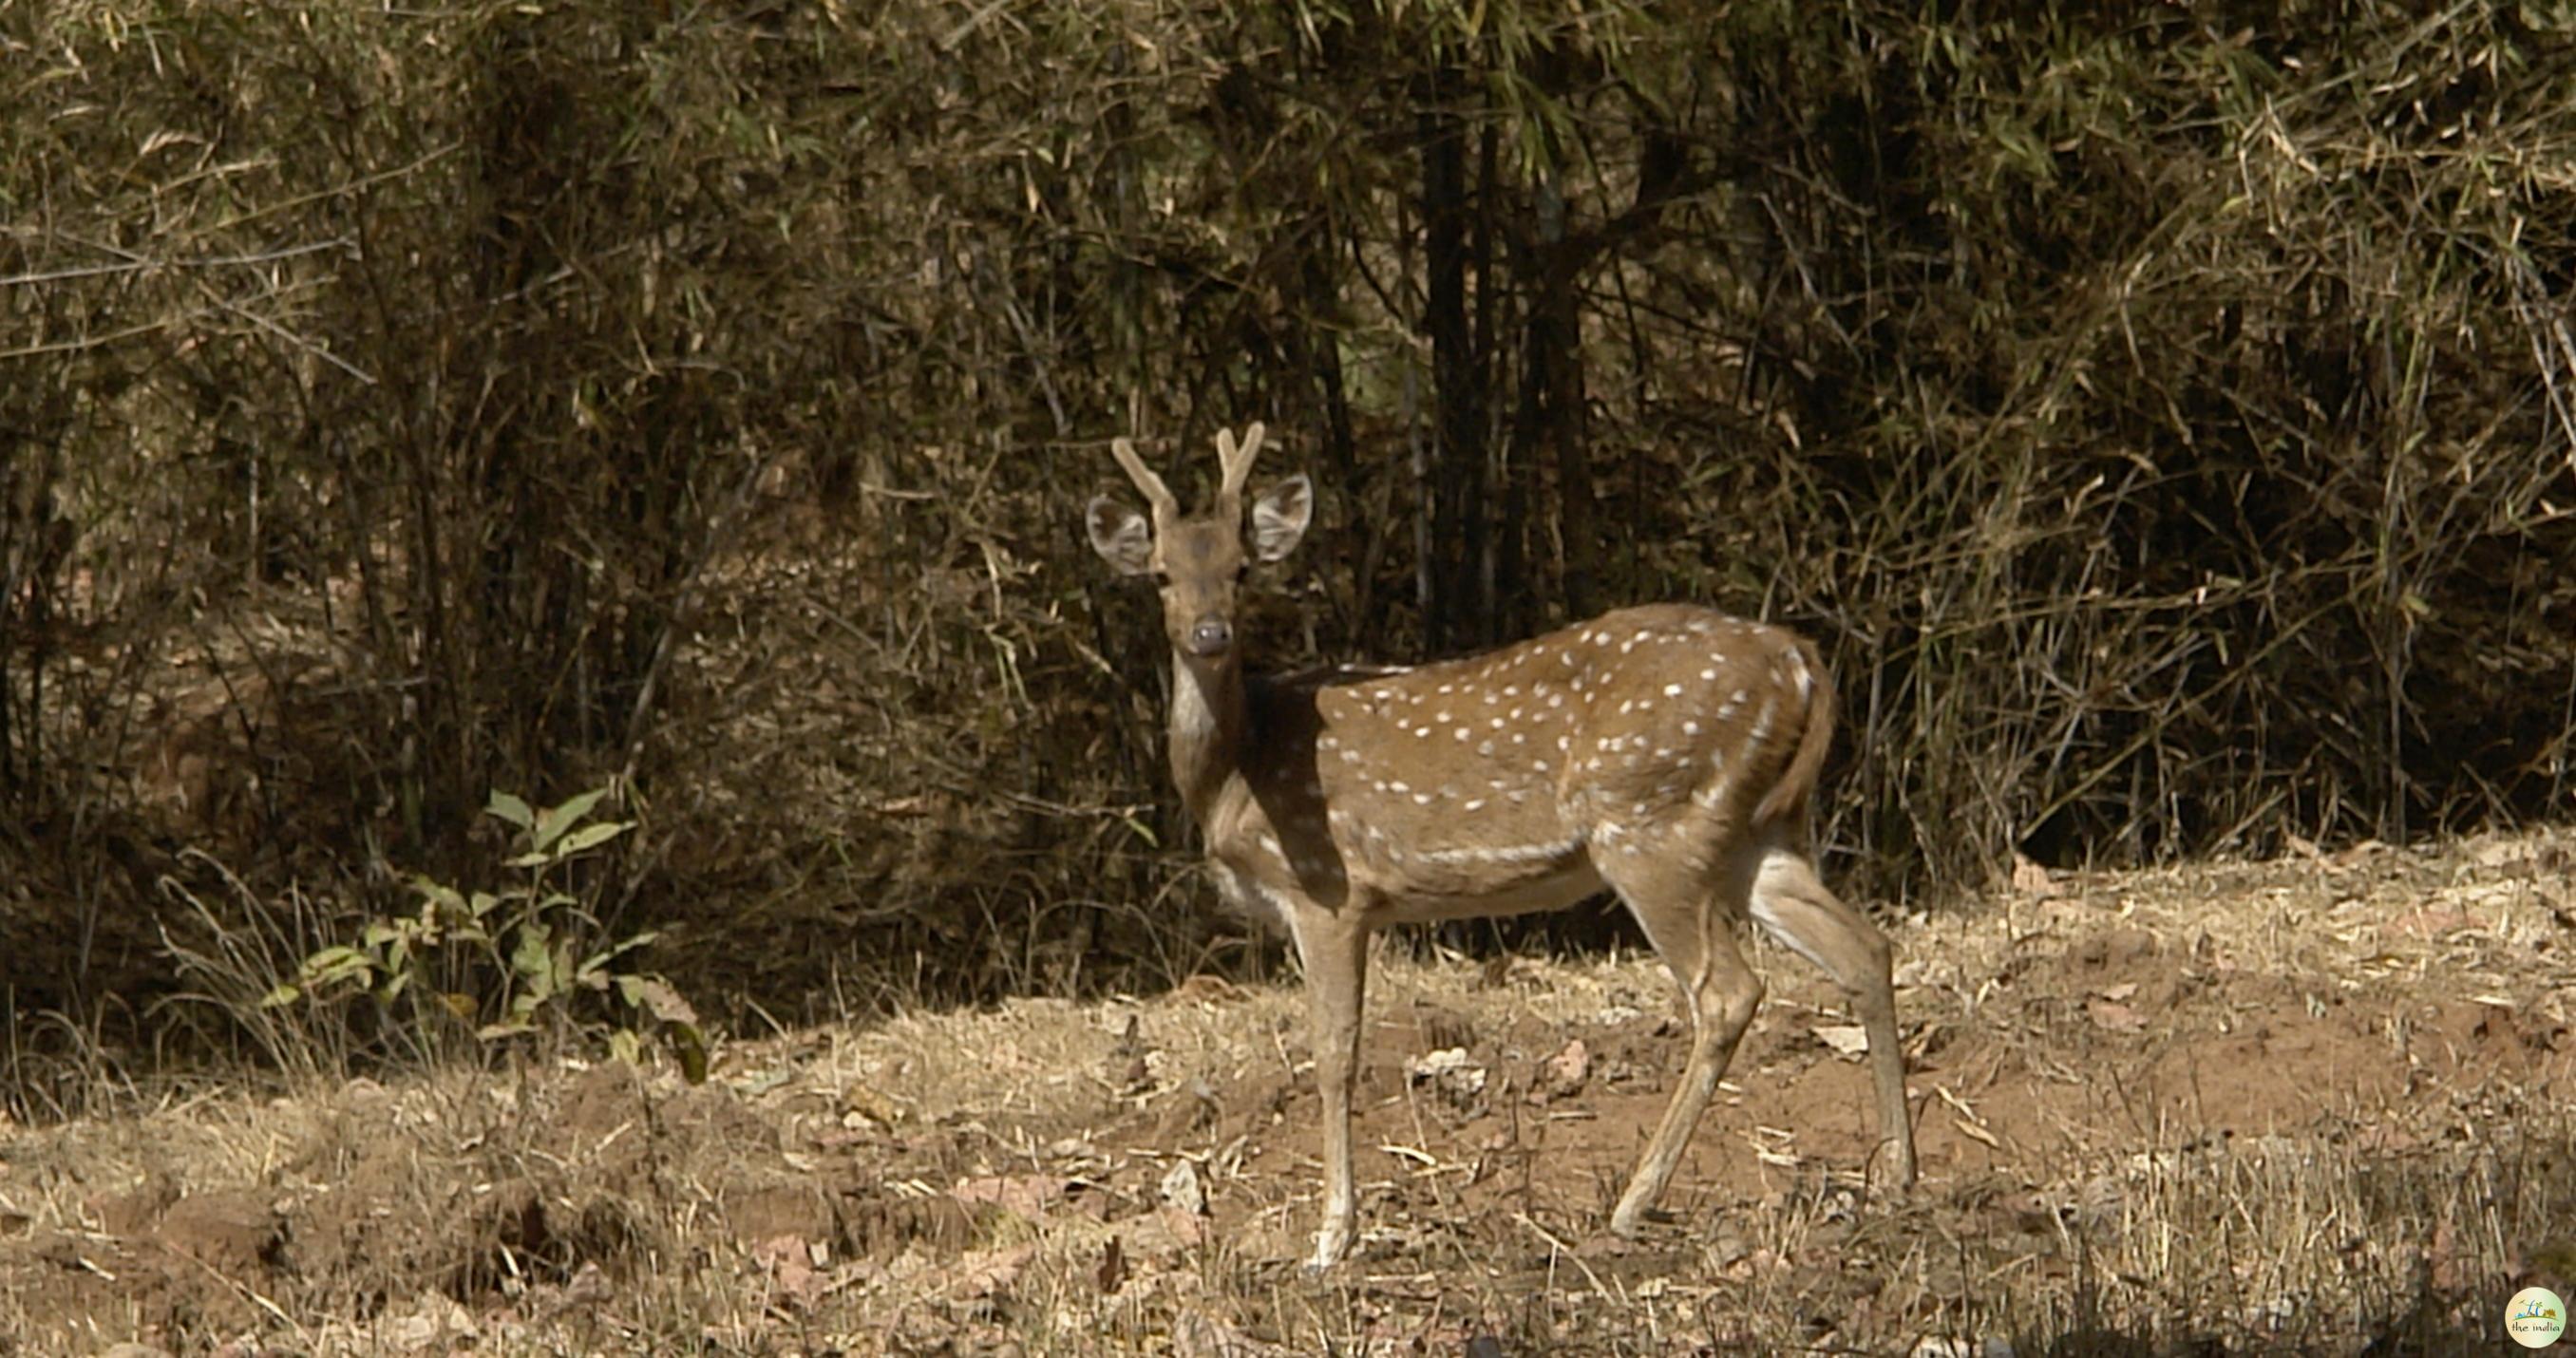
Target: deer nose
{"points": [[1210, 637]]}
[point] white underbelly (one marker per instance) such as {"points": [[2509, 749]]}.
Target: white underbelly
{"points": [[1419, 897]]}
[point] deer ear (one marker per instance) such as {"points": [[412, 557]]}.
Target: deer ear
{"points": [[1120, 535], [1280, 516]]}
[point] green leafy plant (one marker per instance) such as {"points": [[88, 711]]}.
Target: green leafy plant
{"points": [[521, 951]]}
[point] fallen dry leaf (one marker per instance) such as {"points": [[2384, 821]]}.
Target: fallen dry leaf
{"points": [[1166, 1232], [434, 1321], [1562, 1075], [790, 1260], [1181, 1188], [1022, 1193], [1450, 1071], [2447, 1267], [2113, 1016], [861, 1105], [988, 1273], [2427, 922], [1206, 989], [2498, 853], [1034, 1196], [1846, 1039], [2027, 1210]]}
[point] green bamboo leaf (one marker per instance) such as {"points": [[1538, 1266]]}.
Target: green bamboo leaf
{"points": [[554, 820], [511, 809], [628, 945], [532, 954], [590, 836], [438, 894], [657, 997], [333, 964]]}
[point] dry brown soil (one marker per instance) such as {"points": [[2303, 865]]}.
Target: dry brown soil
{"points": [[2312, 1106]]}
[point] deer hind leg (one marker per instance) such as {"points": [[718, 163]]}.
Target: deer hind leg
{"points": [[1333, 949], [1690, 917], [1793, 906]]}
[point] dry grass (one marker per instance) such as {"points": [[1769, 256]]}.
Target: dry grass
{"points": [[2285, 1106]]}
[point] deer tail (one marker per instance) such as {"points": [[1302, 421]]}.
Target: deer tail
{"points": [[1788, 797]]}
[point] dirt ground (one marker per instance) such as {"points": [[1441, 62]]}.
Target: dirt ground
{"points": [[2315, 1105]]}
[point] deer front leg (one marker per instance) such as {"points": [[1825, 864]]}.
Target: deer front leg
{"points": [[1334, 951]]}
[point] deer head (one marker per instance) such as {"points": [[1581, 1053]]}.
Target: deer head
{"points": [[1199, 562]]}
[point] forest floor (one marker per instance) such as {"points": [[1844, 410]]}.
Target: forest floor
{"points": [[2311, 1105]]}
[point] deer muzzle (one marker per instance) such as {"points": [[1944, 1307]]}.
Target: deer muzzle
{"points": [[1210, 637]]}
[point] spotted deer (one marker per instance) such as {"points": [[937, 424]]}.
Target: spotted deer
{"points": [[1665, 752]]}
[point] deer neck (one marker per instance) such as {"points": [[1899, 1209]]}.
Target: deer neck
{"points": [[1207, 733]]}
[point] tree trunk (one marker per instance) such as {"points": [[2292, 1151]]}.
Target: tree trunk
{"points": [[1557, 362], [1453, 463]]}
